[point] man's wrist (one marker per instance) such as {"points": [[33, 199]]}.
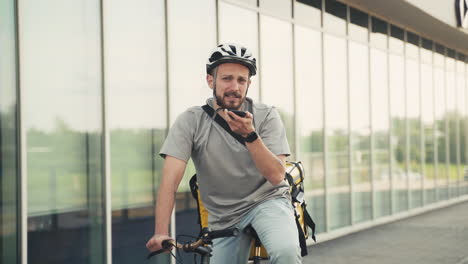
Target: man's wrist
{"points": [[251, 137]]}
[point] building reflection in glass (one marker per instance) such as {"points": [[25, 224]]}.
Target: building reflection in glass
{"points": [[135, 74], [61, 83], [336, 131], [440, 132], [308, 46], [277, 71], [9, 137]]}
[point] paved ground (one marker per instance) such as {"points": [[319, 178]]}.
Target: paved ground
{"points": [[437, 237]]}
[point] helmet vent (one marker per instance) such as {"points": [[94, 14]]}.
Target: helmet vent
{"points": [[233, 48], [216, 56], [243, 50], [228, 52]]}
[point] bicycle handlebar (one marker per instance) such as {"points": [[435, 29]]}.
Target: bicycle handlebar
{"points": [[223, 233], [197, 245]]}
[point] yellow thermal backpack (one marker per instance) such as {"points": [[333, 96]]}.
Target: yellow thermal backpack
{"points": [[295, 177]]}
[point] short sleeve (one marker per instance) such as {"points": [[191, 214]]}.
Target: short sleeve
{"points": [[273, 134], [179, 141]]}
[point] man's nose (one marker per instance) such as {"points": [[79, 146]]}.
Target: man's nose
{"points": [[233, 86], [236, 86]]}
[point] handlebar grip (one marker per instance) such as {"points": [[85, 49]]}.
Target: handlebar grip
{"points": [[166, 244], [223, 233]]}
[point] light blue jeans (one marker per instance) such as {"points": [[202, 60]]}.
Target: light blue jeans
{"points": [[274, 222]]}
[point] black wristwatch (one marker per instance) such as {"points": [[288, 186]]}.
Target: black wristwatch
{"points": [[251, 137]]}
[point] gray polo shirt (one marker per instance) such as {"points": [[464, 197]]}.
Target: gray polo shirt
{"points": [[230, 184]]}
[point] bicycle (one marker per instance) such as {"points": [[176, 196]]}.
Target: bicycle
{"points": [[295, 178], [202, 246]]}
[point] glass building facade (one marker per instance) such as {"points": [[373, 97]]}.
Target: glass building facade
{"points": [[377, 112]]}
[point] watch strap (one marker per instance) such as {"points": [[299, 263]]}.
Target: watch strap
{"points": [[251, 137]]}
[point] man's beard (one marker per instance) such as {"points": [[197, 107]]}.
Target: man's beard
{"points": [[221, 103]]}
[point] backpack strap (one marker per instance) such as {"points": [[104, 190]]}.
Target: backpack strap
{"points": [[309, 222], [218, 119], [302, 239], [194, 190], [202, 212]]}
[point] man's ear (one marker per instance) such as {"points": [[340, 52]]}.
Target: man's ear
{"points": [[209, 80]]}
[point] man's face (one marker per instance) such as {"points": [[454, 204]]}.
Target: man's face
{"points": [[232, 82]]}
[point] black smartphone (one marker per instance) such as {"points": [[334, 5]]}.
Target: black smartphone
{"points": [[239, 113]]}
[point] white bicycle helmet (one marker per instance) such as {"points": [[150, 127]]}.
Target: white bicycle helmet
{"points": [[231, 53]]}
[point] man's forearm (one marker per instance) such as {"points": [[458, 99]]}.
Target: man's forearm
{"points": [[173, 172], [164, 207], [269, 165]]}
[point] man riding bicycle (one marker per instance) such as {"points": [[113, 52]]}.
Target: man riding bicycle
{"points": [[240, 185]]}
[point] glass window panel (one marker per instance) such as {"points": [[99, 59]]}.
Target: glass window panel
{"points": [[360, 130], [396, 41], [451, 53], [427, 116], [358, 27], [308, 12], [439, 48], [229, 31], [427, 43], [414, 130], [378, 35], [191, 25], [276, 68], [426, 51], [135, 76], [452, 119], [63, 135], [380, 131], [461, 58], [277, 7], [191, 22], [336, 122], [461, 129], [412, 45], [9, 204], [310, 118], [439, 59], [334, 18], [314, 3], [440, 133], [398, 138]]}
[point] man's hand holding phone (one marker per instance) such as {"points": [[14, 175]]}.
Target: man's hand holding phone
{"points": [[240, 122], [239, 113]]}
